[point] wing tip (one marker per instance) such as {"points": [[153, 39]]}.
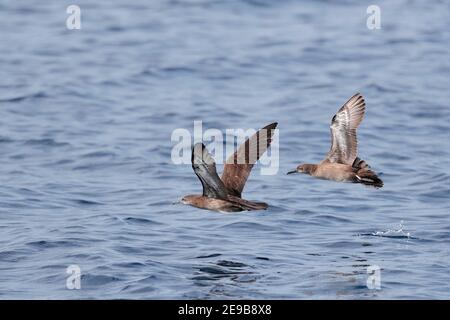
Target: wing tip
{"points": [[271, 126], [198, 144], [356, 106], [359, 100], [200, 154]]}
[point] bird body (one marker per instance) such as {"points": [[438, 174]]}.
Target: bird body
{"points": [[332, 171], [229, 204]]}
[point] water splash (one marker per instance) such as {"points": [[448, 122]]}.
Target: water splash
{"points": [[394, 233]]}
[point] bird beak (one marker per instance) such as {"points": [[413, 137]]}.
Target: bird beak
{"points": [[293, 171]]}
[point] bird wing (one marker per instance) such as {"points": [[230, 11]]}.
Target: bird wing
{"points": [[343, 127], [205, 169], [238, 166]]}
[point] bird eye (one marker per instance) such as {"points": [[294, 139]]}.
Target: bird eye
{"points": [[334, 118]]}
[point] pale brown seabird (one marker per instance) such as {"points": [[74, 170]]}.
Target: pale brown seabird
{"points": [[341, 162], [224, 194]]}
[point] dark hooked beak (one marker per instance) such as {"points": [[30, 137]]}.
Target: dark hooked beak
{"points": [[293, 171]]}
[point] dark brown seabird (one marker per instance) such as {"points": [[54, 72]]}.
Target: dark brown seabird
{"points": [[224, 194], [341, 162]]}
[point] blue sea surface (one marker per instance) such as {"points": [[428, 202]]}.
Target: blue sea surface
{"points": [[86, 118]]}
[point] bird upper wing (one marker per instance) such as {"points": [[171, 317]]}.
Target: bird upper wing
{"points": [[238, 166], [343, 127], [205, 169]]}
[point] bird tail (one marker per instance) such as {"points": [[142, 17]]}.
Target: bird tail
{"points": [[364, 175]]}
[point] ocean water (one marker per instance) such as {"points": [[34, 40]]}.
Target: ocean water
{"points": [[86, 118]]}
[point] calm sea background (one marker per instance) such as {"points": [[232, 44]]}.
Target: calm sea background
{"points": [[86, 118]]}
